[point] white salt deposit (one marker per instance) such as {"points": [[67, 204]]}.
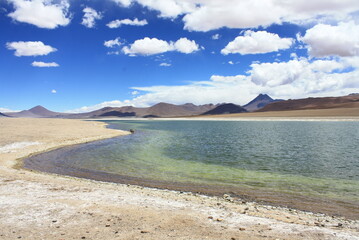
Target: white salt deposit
{"points": [[9, 148]]}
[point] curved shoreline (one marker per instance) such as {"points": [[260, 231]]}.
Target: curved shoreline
{"points": [[62, 198]]}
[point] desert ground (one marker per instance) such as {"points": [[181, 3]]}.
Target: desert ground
{"points": [[36, 205]]}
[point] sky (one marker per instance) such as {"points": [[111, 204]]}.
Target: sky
{"points": [[82, 55]]}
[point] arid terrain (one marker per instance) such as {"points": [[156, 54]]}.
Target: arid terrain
{"points": [[42, 206]]}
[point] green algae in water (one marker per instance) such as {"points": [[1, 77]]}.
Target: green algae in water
{"points": [[309, 158]]}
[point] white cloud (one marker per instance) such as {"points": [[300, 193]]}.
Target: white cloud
{"points": [[147, 46], [327, 66], [293, 55], [124, 3], [117, 23], [41, 13], [30, 48], [230, 62], [44, 64], [5, 110], [53, 91], [151, 46], [186, 46], [298, 78], [214, 14], [165, 64], [302, 78], [232, 14], [135, 92], [216, 36], [115, 103], [257, 42], [169, 8], [325, 40], [90, 16], [207, 15], [112, 43]]}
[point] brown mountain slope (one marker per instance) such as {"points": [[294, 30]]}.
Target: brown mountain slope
{"points": [[158, 110], [259, 102], [171, 110], [351, 101], [226, 108], [3, 115], [36, 112]]}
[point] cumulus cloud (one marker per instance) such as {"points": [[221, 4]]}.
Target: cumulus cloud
{"points": [[124, 3], [115, 103], [257, 42], [5, 110], [117, 23], [186, 46], [216, 36], [165, 64], [213, 14], [325, 40], [53, 91], [112, 43], [44, 64], [90, 16], [30, 48], [151, 46], [147, 46], [41, 13], [207, 15], [169, 8], [298, 78]]}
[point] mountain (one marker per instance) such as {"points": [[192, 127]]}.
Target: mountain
{"points": [[225, 109], [36, 112], [158, 110], [350, 101], [3, 115], [259, 102], [171, 110]]}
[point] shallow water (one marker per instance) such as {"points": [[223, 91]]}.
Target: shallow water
{"points": [[313, 159]]}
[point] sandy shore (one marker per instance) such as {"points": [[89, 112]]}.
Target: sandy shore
{"points": [[43, 206]]}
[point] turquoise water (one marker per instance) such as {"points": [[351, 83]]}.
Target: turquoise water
{"points": [[318, 159]]}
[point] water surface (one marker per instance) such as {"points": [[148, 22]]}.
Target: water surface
{"points": [[316, 161]]}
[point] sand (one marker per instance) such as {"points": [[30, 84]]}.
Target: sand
{"points": [[36, 205]]}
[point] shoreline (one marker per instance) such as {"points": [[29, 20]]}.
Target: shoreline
{"points": [[315, 204], [32, 201], [234, 119]]}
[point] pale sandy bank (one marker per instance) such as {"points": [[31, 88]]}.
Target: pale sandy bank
{"points": [[42, 206]]}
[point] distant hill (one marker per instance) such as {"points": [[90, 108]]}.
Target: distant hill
{"points": [[350, 101], [171, 110], [36, 112], [259, 102], [158, 110], [225, 109], [3, 115]]}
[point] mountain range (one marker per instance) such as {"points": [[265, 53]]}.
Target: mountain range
{"points": [[350, 101], [262, 103], [36, 112], [158, 110]]}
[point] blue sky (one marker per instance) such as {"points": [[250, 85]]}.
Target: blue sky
{"points": [[83, 55]]}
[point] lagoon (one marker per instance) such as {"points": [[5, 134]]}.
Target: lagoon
{"points": [[285, 162]]}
